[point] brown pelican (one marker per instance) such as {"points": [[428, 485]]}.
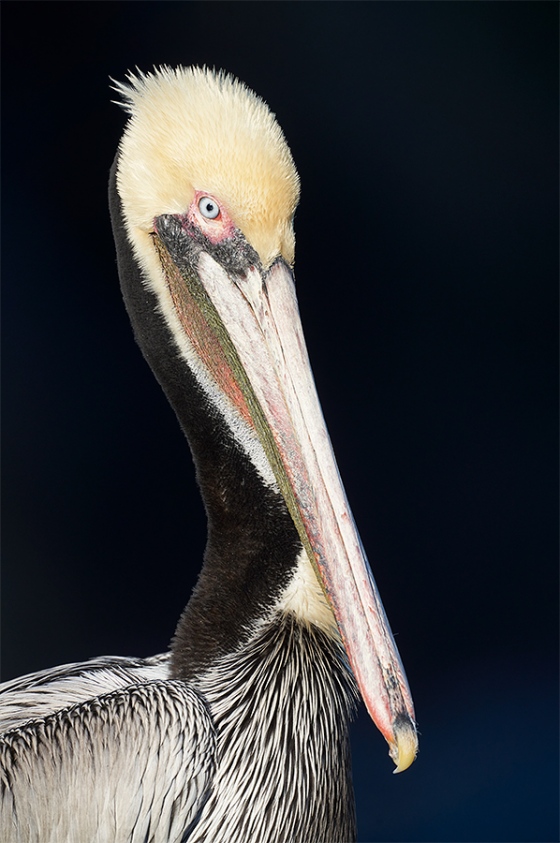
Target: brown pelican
{"points": [[240, 733]]}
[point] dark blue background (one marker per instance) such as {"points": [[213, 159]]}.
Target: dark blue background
{"points": [[426, 139]]}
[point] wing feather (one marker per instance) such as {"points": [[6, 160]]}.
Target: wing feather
{"points": [[131, 766], [37, 695]]}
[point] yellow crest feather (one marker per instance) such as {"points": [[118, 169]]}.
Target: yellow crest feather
{"points": [[194, 129]]}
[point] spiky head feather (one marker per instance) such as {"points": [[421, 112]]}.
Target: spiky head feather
{"points": [[195, 129]]}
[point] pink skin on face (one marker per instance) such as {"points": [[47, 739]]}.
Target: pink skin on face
{"points": [[217, 229]]}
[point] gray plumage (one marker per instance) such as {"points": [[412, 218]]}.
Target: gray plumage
{"points": [[112, 751]]}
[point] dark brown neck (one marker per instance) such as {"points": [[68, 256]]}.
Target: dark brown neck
{"points": [[252, 543]]}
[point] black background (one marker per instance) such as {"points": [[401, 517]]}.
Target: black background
{"points": [[426, 139]]}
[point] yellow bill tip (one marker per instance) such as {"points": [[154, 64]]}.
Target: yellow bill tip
{"points": [[404, 748]]}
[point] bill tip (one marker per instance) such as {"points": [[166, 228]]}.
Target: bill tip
{"points": [[404, 748]]}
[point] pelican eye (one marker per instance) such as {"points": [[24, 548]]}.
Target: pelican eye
{"points": [[208, 208]]}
